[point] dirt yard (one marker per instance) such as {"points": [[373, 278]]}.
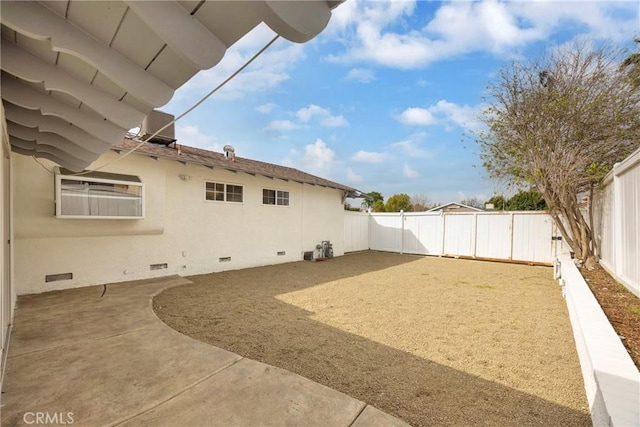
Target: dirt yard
{"points": [[433, 341]]}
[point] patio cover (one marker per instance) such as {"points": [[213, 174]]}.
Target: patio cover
{"points": [[77, 75]]}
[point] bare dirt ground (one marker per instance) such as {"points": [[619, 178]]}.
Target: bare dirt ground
{"points": [[621, 307], [433, 341]]}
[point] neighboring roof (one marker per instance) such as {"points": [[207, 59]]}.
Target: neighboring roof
{"points": [[454, 205], [214, 160], [77, 75]]}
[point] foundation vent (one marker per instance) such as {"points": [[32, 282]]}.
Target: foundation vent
{"points": [[162, 266], [56, 277], [224, 259], [281, 253]]}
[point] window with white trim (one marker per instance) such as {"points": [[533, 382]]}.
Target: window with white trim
{"points": [[221, 192], [98, 195], [275, 197]]}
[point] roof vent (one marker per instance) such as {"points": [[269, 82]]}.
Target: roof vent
{"points": [[229, 152], [155, 121]]}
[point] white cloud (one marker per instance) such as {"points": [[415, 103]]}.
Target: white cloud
{"points": [[270, 70], [265, 108], [361, 75], [305, 114], [191, 135], [322, 114], [334, 121], [409, 173], [315, 158], [412, 149], [374, 32], [370, 157], [318, 154], [281, 125], [443, 112], [416, 116], [353, 177]]}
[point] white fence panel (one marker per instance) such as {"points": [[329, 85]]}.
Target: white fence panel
{"points": [[532, 240], [423, 233], [459, 234], [356, 231], [628, 266], [617, 222], [386, 232], [493, 235], [517, 236]]}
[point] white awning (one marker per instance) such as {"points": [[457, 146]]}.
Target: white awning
{"points": [[77, 75]]}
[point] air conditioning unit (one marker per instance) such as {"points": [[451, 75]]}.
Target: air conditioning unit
{"points": [[155, 121]]}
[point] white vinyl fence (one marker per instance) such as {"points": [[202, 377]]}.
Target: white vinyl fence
{"points": [[508, 236], [616, 215]]}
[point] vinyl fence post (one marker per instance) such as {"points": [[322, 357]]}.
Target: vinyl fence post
{"points": [[401, 232]]}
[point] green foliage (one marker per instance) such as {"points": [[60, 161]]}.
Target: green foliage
{"points": [[530, 200], [398, 202], [499, 202], [378, 206], [375, 197], [524, 200]]}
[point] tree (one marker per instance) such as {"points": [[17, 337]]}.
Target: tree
{"points": [[420, 203], [631, 65], [348, 207], [473, 202], [560, 124], [529, 200], [374, 197], [378, 206], [398, 202], [499, 203]]}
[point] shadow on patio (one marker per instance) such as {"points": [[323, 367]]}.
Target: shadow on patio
{"points": [[79, 358]]}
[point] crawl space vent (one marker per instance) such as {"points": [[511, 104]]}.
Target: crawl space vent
{"points": [[56, 277], [281, 253], [224, 259], [162, 266]]}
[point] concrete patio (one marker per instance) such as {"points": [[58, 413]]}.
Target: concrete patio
{"points": [[78, 357]]}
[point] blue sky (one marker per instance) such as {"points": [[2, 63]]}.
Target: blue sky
{"points": [[386, 98]]}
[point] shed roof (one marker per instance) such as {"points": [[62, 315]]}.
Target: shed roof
{"points": [[214, 160], [455, 204]]}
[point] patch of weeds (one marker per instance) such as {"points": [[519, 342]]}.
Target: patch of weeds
{"points": [[621, 287], [485, 287], [635, 309]]}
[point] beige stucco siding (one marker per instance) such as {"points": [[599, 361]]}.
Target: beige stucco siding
{"points": [[180, 228]]}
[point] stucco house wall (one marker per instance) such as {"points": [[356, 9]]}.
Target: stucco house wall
{"points": [[180, 227]]}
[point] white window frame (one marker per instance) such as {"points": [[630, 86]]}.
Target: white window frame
{"points": [[276, 197], [224, 192], [117, 179]]}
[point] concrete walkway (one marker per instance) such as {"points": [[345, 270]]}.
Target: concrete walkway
{"points": [[76, 357]]}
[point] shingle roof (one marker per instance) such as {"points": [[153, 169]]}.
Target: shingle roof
{"points": [[212, 159]]}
